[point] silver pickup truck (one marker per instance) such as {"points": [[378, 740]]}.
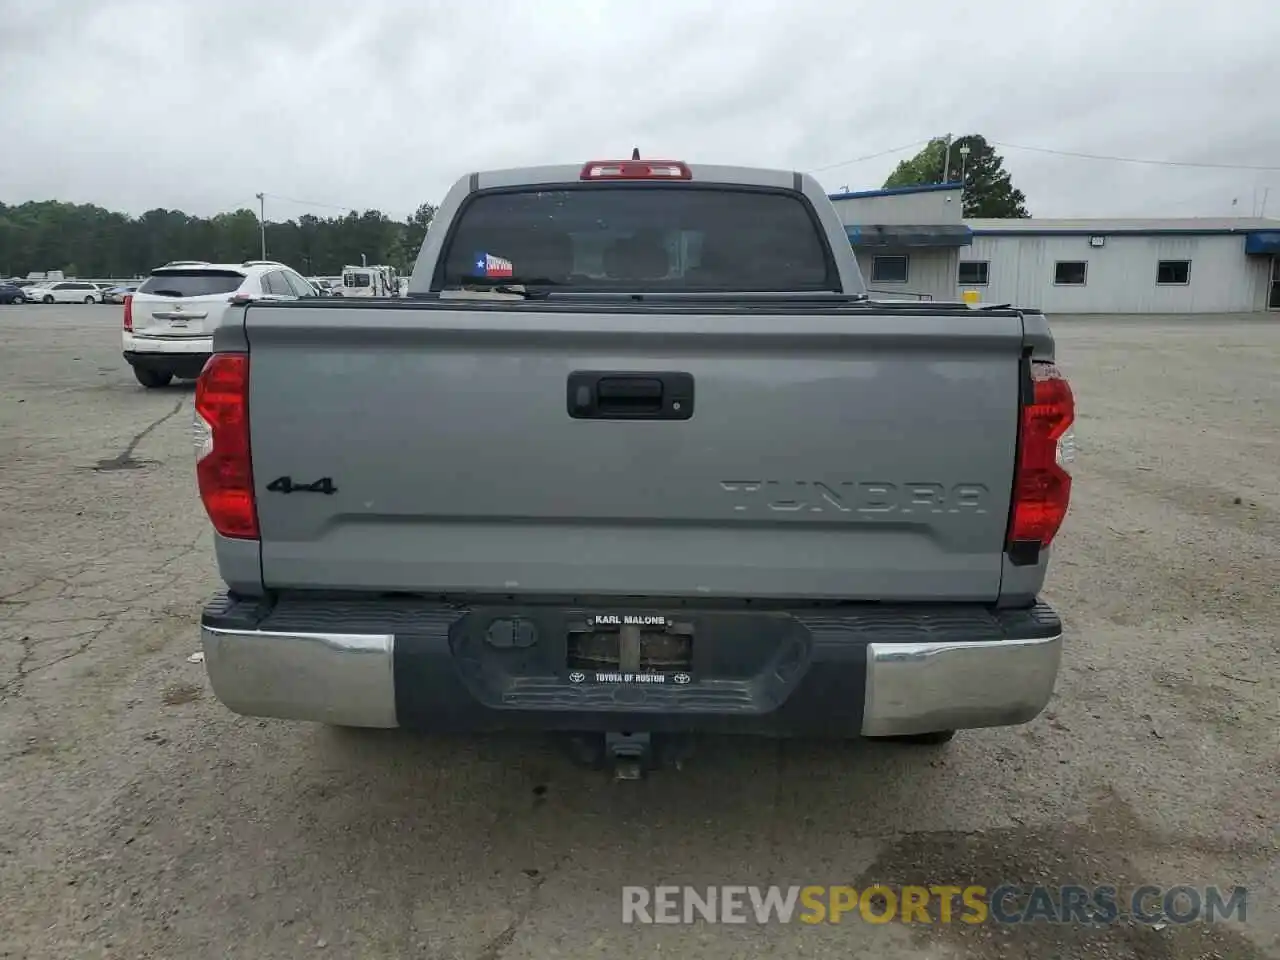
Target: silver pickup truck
{"points": [[636, 457]]}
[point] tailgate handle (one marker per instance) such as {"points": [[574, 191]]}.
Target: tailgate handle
{"points": [[629, 393], [615, 395]]}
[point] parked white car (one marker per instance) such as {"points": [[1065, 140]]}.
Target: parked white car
{"points": [[170, 319], [64, 291]]}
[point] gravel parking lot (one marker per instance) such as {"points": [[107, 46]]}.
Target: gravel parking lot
{"points": [[141, 819]]}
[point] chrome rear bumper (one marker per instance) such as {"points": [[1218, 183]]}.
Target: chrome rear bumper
{"points": [[923, 687], [338, 678], [858, 676]]}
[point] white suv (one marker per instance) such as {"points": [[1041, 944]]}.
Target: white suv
{"points": [[169, 320]]}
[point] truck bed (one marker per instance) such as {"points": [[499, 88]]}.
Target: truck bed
{"points": [[832, 450]]}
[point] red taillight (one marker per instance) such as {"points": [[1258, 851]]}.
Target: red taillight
{"points": [[1041, 484], [223, 470], [636, 170], [128, 312]]}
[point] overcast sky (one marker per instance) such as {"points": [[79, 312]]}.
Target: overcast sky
{"points": [[199, 104]]}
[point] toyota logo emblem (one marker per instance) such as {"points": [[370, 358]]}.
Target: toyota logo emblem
{"points": [[682, 678], [577, 676]]}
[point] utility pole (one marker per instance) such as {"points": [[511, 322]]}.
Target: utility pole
{"points": [[946, 163], [262, 221]]}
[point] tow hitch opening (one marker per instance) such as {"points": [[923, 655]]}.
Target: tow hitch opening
{"points": [[630, 755]]}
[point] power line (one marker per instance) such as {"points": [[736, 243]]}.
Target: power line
{"points": [[870, 156], [1075, 154], [1111, 158], [1115, 159], [310, 203]]}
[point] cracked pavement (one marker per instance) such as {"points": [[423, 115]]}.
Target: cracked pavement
{"points": [[141, 819]]}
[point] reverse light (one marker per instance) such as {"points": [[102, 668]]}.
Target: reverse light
{"points": [[224, 473], [1046, 445], [636, 170], [128, 313]]}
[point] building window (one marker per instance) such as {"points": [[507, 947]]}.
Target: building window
{"points": [[889, 270], [1070, 273], [974, 273], [1173, 272]]}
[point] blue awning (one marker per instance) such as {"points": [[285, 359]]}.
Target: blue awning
{"points": [[945, 235], [1267, 242]]}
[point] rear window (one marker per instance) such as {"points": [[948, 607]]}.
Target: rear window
{"points": [[191, 283], [357, 280], [659, 239]]}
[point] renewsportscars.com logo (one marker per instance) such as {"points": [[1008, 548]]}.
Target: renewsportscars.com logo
{"points": [[934, 904]]}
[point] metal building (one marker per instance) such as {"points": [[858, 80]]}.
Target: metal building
{"points": [[913, 243], [907, 239], [1197, 265]]}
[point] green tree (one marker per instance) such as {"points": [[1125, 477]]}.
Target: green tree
{"points": [[415, 231], [90, 241], [988, 187]]}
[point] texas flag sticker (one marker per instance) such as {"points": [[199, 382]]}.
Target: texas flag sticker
{"points": [[487, 265]]}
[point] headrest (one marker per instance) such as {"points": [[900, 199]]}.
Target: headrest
{"points": [[637, 258], [537, 253]]}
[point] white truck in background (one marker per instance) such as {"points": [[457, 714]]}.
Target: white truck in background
{"points": [[377, 280]]}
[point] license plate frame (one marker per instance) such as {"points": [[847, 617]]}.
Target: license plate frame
{"points": [[619, 620], [618, 678], [630, 672]]}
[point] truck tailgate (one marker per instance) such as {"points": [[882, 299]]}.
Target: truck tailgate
{"points": [[829, 455]]}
